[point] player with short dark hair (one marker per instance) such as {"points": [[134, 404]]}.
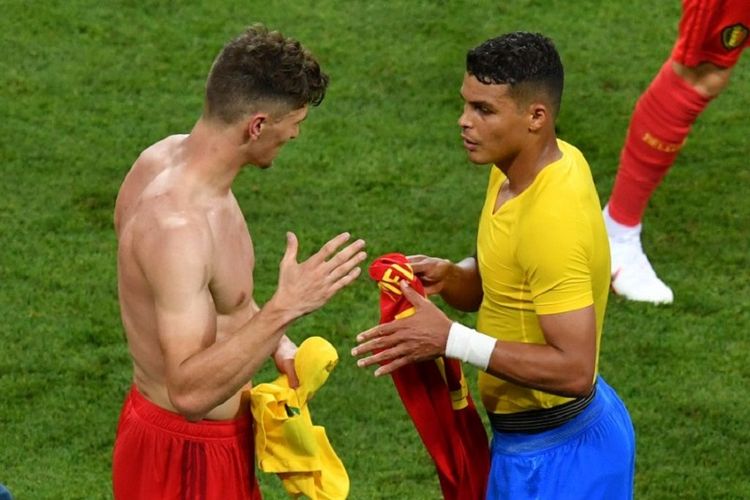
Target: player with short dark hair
{"points": [[185, 279], [533, 68], [540, 281]]}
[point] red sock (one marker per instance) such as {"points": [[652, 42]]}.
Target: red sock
{"points": [[658, 129]]}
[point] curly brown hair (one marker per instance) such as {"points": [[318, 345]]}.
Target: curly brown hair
{"points": [[262, 67]]}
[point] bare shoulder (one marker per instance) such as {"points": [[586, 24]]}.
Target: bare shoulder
{"points": [[151, 163], [159, 152], [159, 230], [172, 245], [153, 160]]}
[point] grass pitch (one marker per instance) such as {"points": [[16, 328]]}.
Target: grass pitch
{"points": [[85, 86]]}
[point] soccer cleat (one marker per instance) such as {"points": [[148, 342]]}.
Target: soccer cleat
{"points": [[633, 277]]}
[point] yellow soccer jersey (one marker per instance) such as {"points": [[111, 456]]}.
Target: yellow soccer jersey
{"points": [[544, 252]]}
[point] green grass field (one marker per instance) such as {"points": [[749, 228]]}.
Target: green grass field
{"points": [[85, 86]]}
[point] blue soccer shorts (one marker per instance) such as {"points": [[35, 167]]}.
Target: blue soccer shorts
{"points": [[589, 457]]}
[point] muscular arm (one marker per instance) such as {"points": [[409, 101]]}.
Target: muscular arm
{"points": [[202, 371], [564, 366]]}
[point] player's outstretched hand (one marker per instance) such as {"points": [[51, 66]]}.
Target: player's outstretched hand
{"points": [[432, 271], [419, 337], [307, 286]]}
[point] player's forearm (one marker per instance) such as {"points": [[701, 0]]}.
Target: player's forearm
{"points": [[567, 371], [542, 367], [463, 286], [209, 378]]}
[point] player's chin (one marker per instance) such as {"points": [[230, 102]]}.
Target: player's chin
{"points": [[263, 163], [476, 156]]}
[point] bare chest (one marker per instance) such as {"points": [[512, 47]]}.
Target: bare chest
{"points": [[231, 279]]}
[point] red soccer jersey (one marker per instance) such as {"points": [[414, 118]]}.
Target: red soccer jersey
{"points": [[713, 31], [436, 397]]}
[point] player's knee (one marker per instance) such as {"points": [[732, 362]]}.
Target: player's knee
{"points": [[706, 78], [713, 82]]}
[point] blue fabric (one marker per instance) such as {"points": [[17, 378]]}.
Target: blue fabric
{"points": [[4, 493], [590, 457]]}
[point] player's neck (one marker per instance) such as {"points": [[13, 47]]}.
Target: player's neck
{"points": [[527, 164], [212, 158]]}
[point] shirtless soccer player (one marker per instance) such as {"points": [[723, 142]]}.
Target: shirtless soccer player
{"points": [[185, 276]]}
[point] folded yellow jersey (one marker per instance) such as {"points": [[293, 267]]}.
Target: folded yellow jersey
{"points": [[286, 441]]}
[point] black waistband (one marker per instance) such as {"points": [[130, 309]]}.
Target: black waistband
{"points": [[540, 420]]}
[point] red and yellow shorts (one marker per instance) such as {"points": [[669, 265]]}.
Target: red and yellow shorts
{"points": [[713, 31], [160, 455]]}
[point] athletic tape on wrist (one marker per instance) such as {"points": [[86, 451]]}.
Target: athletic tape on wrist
{"points": [[469, 345]]}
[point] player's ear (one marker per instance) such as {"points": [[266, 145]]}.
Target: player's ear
{"points": [[255, 125], [539, 116]]}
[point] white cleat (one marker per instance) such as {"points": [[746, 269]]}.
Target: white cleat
{"points": [[633, 277]]}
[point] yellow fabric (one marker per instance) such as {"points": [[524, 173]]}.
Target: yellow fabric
{"points": [[286, 441], [459, 397], [544, 252]]}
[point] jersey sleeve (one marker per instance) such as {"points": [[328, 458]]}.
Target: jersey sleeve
{"points": [[555, 253]]}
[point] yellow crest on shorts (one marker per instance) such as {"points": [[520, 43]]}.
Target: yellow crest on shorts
{"points": [[734, 36]]}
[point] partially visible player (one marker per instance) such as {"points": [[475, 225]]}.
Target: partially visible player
{"points": [[185, 279], [712, 36], [540, 281], [4, 493]]}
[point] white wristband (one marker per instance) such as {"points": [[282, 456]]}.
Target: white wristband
{"points": [[469, 345]]}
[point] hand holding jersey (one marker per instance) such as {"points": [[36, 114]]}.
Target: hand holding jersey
{"points": [[434, 392], [185, 278], [426, 330], [286, 441], [432, 272], [541, 275], [284, 357]]}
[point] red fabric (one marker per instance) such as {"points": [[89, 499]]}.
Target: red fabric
{"points": [[713, 31], [455, 439], [658, 129], [159, 455]]}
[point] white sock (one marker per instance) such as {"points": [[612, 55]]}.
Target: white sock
{"points": [[619, 232]]}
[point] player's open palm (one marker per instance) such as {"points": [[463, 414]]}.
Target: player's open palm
{"points": [[307, 286]]}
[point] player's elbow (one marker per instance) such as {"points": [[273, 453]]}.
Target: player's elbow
{"points": [[193, 416], [188, 405], [581, 387], [581, 384], [474, 303]]}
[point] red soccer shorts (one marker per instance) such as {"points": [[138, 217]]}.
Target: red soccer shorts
{"points": [[713, 31], [159, 455]]}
